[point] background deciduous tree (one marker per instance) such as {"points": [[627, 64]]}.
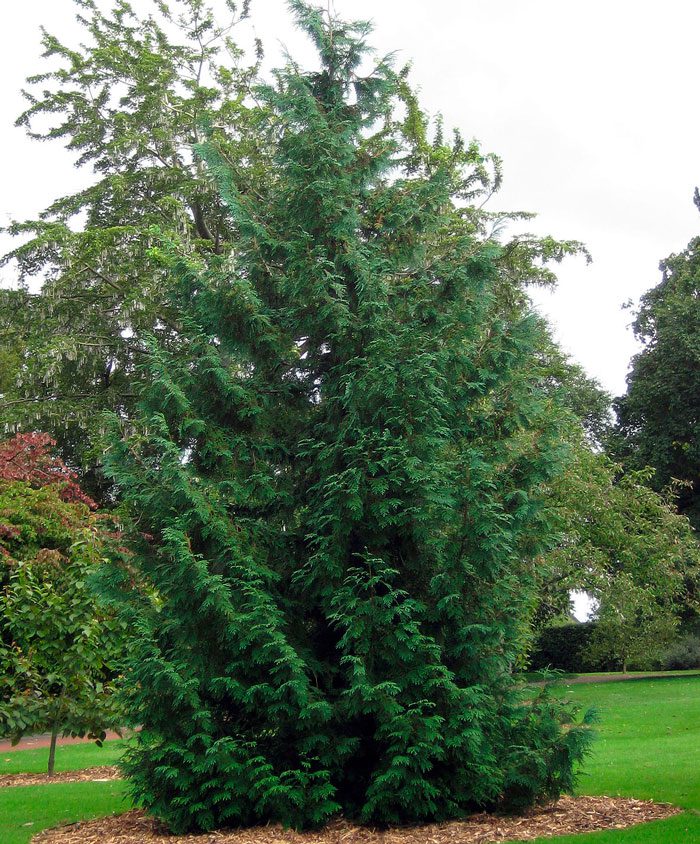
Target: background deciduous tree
{"points": [[634, 624], [59, 651], [130, 102], [626, 546], [659, 416]]}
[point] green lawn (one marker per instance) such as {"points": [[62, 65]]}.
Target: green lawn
{"points": [[648, 747], [72, 757], [26, 810]]}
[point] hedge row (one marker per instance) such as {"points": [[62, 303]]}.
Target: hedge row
{"points": [[564, 647]]}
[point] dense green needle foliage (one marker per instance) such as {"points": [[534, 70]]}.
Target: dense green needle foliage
{"points": [[335, 484]]}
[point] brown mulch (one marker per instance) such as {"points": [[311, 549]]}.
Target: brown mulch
{"points": [[102, 773], [568, 816]]}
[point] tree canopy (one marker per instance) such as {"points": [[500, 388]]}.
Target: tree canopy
{"points": [[618, 537], [59, 651], [658, 416], [129, 102]]}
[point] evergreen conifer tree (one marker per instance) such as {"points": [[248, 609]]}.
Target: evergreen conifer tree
{"points": [[335, 489]]}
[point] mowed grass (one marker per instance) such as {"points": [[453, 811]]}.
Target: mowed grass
{"points": [[26, 810], [72, 757], [648, 747]]}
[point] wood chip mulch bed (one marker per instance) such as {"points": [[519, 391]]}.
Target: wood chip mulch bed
{"points": [[99, 774], [566, 817]]}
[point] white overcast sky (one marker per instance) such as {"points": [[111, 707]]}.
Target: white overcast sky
{"points": [[592, 106]]}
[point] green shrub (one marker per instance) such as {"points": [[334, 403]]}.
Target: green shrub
{"points": [[685, 653], [565, 647]]}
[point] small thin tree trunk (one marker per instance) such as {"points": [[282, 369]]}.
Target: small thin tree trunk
{"points": [[52, 749]]}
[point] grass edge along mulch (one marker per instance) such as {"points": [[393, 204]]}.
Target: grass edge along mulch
{"points": [[568, 816], [101, 773]]}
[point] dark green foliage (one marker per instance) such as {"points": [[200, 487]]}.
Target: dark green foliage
{"points": [[564, 648], [546, 761], [658, 416], [335, 485], [683, 654]]}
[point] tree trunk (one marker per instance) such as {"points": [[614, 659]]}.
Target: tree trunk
{"points": [[52, 749]]}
